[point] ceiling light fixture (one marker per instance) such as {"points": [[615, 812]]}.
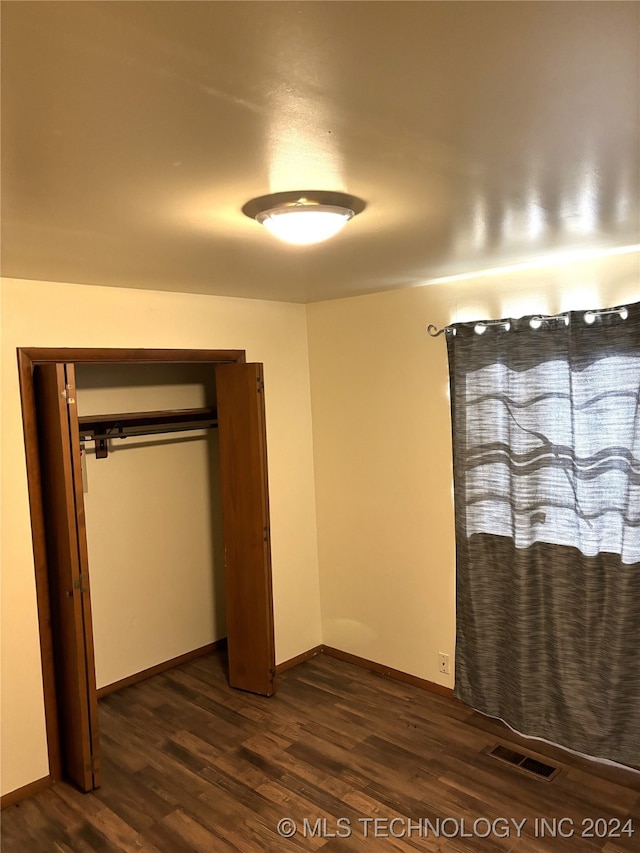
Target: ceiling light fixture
{"points": [[304, 217]]}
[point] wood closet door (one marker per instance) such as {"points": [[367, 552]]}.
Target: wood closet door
{"points": [[67, 563], [246, 531]]}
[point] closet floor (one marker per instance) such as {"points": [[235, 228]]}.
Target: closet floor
{"points": [[350, 759]]}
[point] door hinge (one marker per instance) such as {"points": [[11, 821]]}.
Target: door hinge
{"points": [[265, 534], [68, 394], [91, 765], [81, 580], [260, 382]]}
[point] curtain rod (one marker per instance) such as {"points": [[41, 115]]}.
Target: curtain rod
{"points": [[589, 317]]}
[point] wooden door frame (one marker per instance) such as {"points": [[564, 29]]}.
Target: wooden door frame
{"points": [[28, 359]]}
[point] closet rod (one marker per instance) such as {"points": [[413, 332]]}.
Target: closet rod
{"points": [[100, 428], [126, 432]]}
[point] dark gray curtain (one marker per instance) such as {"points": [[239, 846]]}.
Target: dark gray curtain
{"points": [[546, 438]]}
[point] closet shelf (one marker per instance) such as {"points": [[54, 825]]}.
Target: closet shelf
{"points": [[100, 428]]}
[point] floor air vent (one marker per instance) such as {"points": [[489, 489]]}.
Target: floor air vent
{"points": [[509, 755], [524, 762], [539, 768]]}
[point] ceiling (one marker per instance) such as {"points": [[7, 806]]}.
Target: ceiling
{"points": [[479, 134]]}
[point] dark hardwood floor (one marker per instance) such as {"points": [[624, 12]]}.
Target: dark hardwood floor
{"points": [[191, 765]]}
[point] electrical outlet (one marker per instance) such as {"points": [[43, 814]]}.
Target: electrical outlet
{"points": [[443, 663]]}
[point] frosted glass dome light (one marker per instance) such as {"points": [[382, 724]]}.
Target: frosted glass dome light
{"points": [[303, 224], [304, 218]]}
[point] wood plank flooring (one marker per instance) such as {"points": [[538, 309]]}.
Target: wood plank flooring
{"points": [[191, 765]]}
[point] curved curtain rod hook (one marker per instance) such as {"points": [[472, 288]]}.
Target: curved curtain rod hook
{"points": [[434, 331]]}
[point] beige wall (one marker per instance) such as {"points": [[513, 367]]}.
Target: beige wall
{"points": [[153, 516], [382, 451], [51, 314]]}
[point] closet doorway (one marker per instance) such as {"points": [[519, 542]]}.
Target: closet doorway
{"points": [[52, 441]]}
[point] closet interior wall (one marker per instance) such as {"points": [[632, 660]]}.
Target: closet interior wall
{"points": [[153, 519]]}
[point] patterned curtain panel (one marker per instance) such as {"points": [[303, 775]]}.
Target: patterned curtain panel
{"points": [[546, 436]]}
